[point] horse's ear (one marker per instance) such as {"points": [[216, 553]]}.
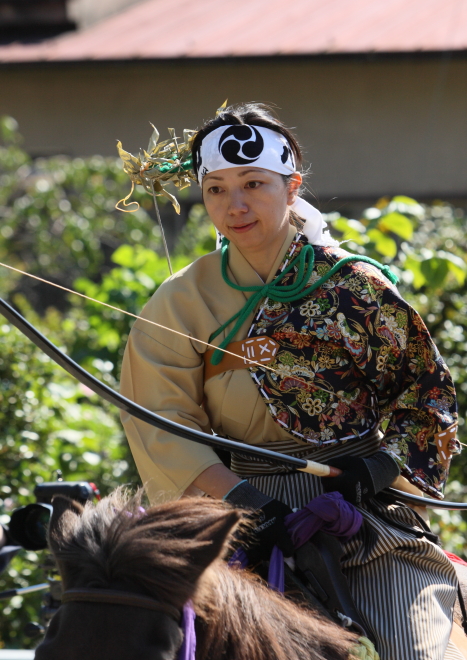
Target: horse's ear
{"points": [[201, 539], [195, 531], [66, 514], [214, 534]]}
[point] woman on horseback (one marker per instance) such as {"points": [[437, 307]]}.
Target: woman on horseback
{"points": [[344, 372]]}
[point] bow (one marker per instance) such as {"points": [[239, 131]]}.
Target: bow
{"points": [[145, 415]]}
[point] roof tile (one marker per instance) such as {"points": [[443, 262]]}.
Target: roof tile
{"points": [[157, 29]]}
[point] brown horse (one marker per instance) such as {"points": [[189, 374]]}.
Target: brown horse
{"points": [[166, 556]]}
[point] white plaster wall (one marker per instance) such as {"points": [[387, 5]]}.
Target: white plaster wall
{"points": [[368, 128]]}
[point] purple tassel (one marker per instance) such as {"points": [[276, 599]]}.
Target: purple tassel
{"points": [[188, 648], [238, 559], [329, 512], [276, 570]]}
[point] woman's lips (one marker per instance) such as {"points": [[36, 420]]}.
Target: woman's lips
{"points": [[243, 228]]}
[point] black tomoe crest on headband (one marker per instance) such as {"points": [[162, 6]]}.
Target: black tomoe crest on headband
{"points": [[237, 146], [286, 155]]}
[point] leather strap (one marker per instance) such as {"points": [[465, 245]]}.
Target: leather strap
{"points": [[112, 597], [259, 349]]}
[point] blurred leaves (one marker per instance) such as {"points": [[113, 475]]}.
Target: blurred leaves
{"points": [[398, 224], [432, 270], [48, 422], [383, 244], [385, 229], [58, 218]]}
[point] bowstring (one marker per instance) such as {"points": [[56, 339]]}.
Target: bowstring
{"points": [[164, 327], [135, 316]]}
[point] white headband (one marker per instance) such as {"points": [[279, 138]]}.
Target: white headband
{"points": [[242, 144]]}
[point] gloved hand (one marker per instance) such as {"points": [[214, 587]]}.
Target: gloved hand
{"points": [[268, 519], [361, 478]]}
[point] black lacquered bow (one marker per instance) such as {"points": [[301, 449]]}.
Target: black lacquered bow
{"points": [[153, 419]]}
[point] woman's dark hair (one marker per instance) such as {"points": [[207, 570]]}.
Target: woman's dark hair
{"points": [[255, 114]]}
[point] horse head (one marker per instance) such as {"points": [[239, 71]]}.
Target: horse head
{"points": [[155, 557]]}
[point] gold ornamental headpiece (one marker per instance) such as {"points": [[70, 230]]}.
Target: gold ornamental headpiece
{"points": [[162, 163]]}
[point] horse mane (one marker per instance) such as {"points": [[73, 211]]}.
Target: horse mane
{"points": [[173, 552], [243, 618]]}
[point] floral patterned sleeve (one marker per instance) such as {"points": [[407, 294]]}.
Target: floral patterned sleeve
{"points": [[413, 385]]}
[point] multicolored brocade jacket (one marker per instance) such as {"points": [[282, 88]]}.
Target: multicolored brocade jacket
{"points": [[354, 355]]}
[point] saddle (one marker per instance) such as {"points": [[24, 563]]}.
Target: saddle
{"points": [[319, 581]]}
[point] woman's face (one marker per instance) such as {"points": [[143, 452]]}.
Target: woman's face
{"points": [[248, 205]]}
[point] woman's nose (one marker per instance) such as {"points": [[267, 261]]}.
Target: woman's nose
{"points": [[237, 204]]}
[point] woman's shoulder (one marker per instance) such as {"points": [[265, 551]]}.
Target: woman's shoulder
{"points": [[328, 256], [197, 276], [183, 303], [187, 290]]}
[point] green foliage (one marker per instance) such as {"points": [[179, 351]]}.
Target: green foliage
{"points": [[58, 216], [48, 422], [401, 232], [198, 236], [57, 220], [432, 270]]}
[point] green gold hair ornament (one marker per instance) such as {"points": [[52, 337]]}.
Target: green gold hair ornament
{"points": [[165, 162]]}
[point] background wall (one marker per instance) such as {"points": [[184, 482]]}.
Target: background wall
{"points": [[368, 127]]}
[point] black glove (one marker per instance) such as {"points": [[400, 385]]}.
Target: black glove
{"points": [[268, 520], [361, 478]]}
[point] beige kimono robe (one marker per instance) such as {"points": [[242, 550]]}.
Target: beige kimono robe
{"points": [[164, 372]]}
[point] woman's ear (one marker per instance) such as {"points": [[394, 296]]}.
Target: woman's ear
{"points": [[295, 182]]}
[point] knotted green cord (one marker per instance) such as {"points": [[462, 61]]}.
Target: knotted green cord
{"points": [[304, 262]]}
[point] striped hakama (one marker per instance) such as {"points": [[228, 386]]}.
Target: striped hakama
{"points": [[402, 583]]}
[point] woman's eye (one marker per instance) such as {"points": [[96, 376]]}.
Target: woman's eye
{"points": [[214, 190], [253, 184]]}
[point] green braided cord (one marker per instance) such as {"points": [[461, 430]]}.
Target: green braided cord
{"points": [[305, 261], [364, 650], [262, 291], [168, 167]]}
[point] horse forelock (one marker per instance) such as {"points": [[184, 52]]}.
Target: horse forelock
{"points": [[98, 632], [117, 545]]}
